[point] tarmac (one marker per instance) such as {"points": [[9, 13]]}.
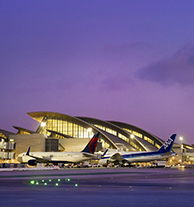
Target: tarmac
{"points": [[94, 187]]}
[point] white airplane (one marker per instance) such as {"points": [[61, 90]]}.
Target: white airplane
{"points": [[32, 158], [163, 153]]}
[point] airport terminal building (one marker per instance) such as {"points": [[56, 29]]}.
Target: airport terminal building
{"points": [[61, 132]]}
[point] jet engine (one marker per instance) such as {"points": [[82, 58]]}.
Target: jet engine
{"points": [[32, 162]]}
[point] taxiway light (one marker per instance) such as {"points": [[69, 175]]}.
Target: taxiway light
{"points": [[56, 184], [76, 185], [32, 182]]}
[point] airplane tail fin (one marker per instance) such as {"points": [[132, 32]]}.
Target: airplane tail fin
{"points": [[91, 146], [28, 151], [167, 146]]}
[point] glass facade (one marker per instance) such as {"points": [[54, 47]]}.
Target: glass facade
{"points": [[126, 139], [105, 144], [150, 140], [110, 131], [157, 145], [134, 132], [65, 127]]}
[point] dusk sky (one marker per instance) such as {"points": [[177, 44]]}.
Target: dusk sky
{"points": [[122, 60]]}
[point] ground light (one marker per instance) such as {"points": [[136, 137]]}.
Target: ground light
{"points": [[32, 182], [53, 182]]}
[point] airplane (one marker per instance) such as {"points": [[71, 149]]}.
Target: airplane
{"points": [[121, 158], [32, 158]]}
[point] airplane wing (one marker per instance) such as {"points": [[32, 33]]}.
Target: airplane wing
{"points": [[94, 156], [39, 159], [89, 155]]}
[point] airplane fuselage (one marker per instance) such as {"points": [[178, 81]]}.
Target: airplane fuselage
{"points": [[65, 157], [136, 157], [162, 153], [145, 157]]}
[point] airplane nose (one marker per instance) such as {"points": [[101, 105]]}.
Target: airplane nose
{"points": [[19, 158]]}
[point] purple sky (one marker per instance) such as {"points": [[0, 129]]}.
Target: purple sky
{"points": [[130, 61]]}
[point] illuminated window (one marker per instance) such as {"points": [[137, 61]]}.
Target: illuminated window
{"points": [[23, 132], [135, 146], [2, 135], [123, 137], [128, 130], [105, 144], [134, 132], [132, 143], [67, 128], [157, 145], [149, 140], [100, 127], [110, 131], [137, 134]]}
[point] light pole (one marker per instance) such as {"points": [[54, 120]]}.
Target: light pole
{"points": [[43, 124], [181, 140], [43, 127], [132, 136]]}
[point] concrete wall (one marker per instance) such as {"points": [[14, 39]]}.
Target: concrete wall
{"points": [[37, 143], [73, 145], [23, 141]]}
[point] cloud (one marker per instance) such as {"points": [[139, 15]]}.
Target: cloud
{"points": [[121, 62], [179, 68]]}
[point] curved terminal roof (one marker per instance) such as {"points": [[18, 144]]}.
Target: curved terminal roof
{"points": [[114, 135], [119, 142], [143, 145], [135, 128], [40, 116], [23, 130], [43, 116]]}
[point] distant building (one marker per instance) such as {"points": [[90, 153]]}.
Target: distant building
{"points": [[7, 145]]}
